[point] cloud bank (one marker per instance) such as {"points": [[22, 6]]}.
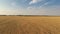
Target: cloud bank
{"points": [[32, 11]]}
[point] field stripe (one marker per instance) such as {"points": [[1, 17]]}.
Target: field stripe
{"points": [[9, 28]]}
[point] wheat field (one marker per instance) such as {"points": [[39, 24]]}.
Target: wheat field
{"points": [[29, 25]]}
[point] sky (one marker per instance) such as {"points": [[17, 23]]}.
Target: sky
{"points": [[29, 7]]}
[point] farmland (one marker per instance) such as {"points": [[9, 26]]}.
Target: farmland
{"points": [[29, 24]]}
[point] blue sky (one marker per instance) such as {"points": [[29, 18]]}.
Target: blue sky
{"points": [[30, 7]]}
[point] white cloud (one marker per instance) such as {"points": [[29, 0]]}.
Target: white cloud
{"points": [[35, 1], [43, 4]]}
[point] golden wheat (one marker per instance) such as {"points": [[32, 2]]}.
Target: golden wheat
{"points": [[29, 25]]}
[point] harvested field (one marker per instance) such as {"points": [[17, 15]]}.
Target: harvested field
{"points": [[29, 25]]}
